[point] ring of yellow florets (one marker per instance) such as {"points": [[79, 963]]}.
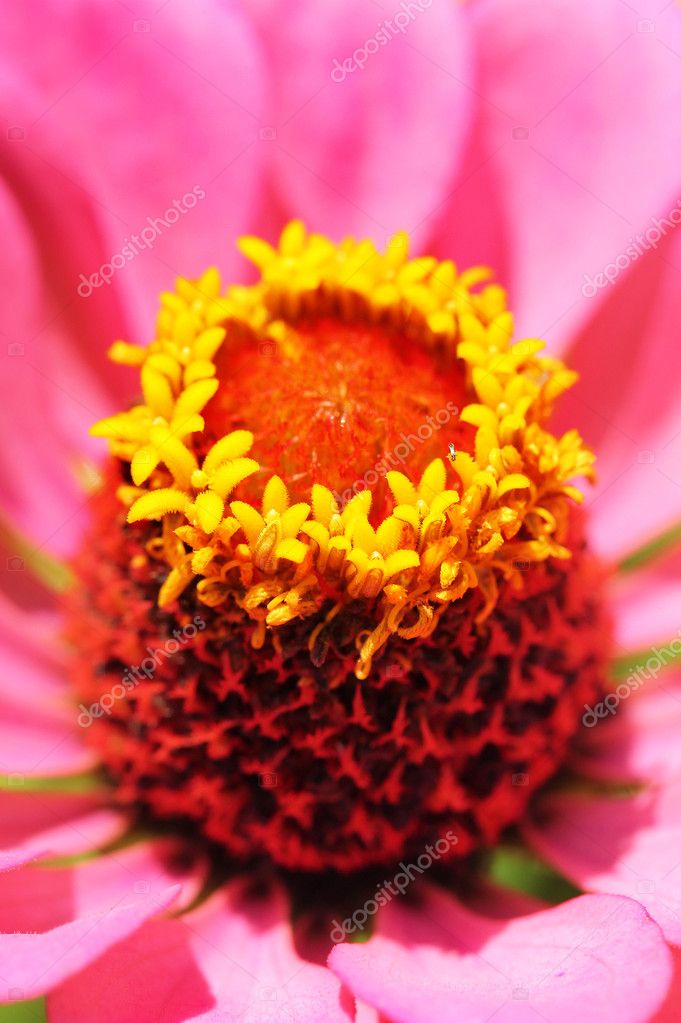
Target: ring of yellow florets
{"points": [[502, 506]]}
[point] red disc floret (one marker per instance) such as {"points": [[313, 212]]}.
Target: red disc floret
{"points": [[279, 751]]}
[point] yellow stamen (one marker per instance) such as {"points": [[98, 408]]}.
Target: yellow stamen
{"points": [[463, 519]]}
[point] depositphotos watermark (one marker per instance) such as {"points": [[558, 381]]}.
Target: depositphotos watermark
{"points": [[134, 244], [387, 30], [637, 247], [659, 659], [133, 675], [400, 453], [387, 890]]}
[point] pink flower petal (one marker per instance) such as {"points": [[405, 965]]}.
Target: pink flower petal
{"points": [[640, 491], [563, 91], [645, 604], [40, 741], [231, 959], [183, 110], [85, 177], [151, 975], [39, 735], [628, 408], [625, 846], [41, 747], [49, 823], [639, 741], [374, 149], [28, 814], [366, 1013], [77, 913], [669, 1013], [41, 898], [32, 674], [10, 859], [594, 958], [40, 371], [32, 964]]}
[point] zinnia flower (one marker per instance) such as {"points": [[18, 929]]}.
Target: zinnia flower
{"points": [[335, 616]]}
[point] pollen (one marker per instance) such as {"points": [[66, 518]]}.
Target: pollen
{"points": [[338, 499], [308, 527]]}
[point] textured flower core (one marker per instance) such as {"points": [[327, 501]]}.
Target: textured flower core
{"points": [[339, 532]]}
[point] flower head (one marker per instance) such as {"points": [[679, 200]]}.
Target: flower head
{"points": [[370, 635], [339, 644]]}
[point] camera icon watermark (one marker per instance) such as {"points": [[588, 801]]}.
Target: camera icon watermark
{"points": [[520, 133], [266, 994], [15, 133], [140, 25], [269, 349], [522, 566], [520, 779], [645, 457], [15, 564], [397, 245], [16, 349], [520, 993], [267, 133], [268, 781]]}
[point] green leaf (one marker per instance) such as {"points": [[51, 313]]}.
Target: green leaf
{"points": [[517, 868], [73, 783], [628, 663], [51, 572], [652, 550], [24, 1012]]}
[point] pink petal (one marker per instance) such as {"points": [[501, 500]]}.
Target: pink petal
{"points": [[27, 814], [645, 604], [39, 750], [39, 735], [554, 177], [10, 859], [32, 964], [39, 740], [40, 371], [42, 898], [669, 1013], [244, 945], [639, 740], [183, 109], [594, 958], [375, 149], [32, 674], [366, 1013], [639, 495], [79, 912], [231, 959], [49, 823], [628, 408], [625, 846], [152, 975]]}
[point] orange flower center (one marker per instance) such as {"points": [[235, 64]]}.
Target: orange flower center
{"points": [[339, 404]]}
